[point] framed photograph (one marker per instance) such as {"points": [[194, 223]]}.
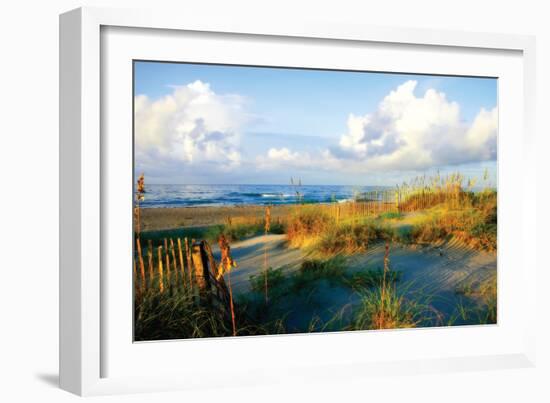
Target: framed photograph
{"points": [[320, 198]]}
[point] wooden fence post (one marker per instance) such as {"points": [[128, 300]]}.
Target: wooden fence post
{"points": [[189, 264], [182, 266], [175, 263], [200, 262], [161, 274]]}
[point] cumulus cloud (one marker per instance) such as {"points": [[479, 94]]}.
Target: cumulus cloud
{"points": [[410, 132], [405, 133], [276, 158], [282, 154], [192, 125]]}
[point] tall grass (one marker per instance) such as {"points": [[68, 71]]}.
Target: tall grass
{"points": [[233, 230], [139, 197], [475, 224], [306, 225], [385, 308], [165, 316], [484, 295], [353, 238], [448, 206]]}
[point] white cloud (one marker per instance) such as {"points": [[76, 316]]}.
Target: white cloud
{"points": [[404, 133], [192, 125], [282, 154], [410, 132], [277, 158]]}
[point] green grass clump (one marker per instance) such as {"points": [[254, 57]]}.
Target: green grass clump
{"points": [[385, 308], [236, 232], [158, 236], [332, 270], [276, 278], [166, 316], [312, 270], [306, 277], [233, 232], [404, 234], [485, 293], [361, 280], [391, 215]]}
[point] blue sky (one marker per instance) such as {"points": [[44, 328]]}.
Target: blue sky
{"points": [[260, 125]]}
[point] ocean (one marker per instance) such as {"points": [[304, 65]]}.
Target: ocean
{"points": [[224, 195]]}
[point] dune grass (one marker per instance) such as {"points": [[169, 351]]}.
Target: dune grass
{"points": [[211, 233], [166, 316], [484, 292], [332, 270], [384, 308], [391, 215], [307, 225], [353, 238], [469, 217], [475, 224]]}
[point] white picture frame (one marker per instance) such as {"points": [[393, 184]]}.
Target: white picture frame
{"points": [[84, 339]]}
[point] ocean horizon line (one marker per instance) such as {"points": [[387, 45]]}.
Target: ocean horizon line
{"points": [[261, 184]]}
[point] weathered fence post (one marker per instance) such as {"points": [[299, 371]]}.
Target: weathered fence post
{"points": [[161, 274], [189, 264], [214, 269], [200, 262], [182, 266], [174, 261]]}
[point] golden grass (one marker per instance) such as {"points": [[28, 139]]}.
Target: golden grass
{"points": [[474, 224]]}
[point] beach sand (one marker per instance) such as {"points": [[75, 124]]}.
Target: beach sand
{"points": [[177, 217], [431, 274]]}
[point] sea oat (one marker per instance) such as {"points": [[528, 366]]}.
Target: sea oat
{"points": [[140, 191], [227, 262]]}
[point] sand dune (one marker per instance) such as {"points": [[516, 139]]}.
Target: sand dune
{"points": [[432, 273], [249, 254]]}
